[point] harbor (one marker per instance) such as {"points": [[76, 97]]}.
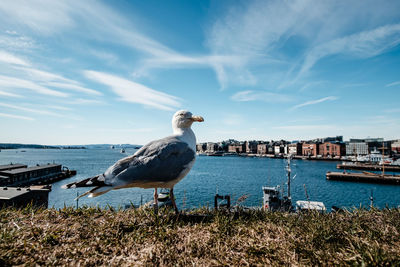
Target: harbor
{"points": [[225, 175]]}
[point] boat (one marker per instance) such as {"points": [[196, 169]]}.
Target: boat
{"points": [[305, 205], [272, 200]]}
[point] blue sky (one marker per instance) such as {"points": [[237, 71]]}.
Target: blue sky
{"points": [[86, 72]]}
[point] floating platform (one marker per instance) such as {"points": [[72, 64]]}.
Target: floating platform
{"points": [[364, 177], [369, 167]]}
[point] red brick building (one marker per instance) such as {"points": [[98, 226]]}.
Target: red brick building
{"points": [[310, 149], [332, 149], [237, 148]]}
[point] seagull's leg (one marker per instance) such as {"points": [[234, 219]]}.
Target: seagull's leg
{"points": [[155, 200], [171, 196]]}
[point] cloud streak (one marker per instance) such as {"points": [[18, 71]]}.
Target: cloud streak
{"points": [[12, 59], [249, 95], [393, 84], [133, 92], [12, 116], [314, 102], [11, 83], [364, 44]]}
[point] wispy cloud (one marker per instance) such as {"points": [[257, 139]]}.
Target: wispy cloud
{"points": [[12, 59], [12, 83], [363, 44], [74, 87], [4, 93], [313, 102], [249, 95], [133, 92], [40, 81], [37, 110], [12, 116], [84, 101], [29, 110], [45, 76], [393, 84]]}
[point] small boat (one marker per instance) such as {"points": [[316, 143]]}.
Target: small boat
{"points": [[305, 205]]}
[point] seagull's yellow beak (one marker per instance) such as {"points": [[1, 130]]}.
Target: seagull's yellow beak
{"points": [[197, 118]]}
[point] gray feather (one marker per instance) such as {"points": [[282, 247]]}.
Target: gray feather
{"points": [[159, 161]]}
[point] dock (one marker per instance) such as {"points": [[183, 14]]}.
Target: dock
{"points": [[22, 175], [364, 177], [369, 167]]}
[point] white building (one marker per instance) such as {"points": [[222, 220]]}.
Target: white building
{"points": [[356, 148]]}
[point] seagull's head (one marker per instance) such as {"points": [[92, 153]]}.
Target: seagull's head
{"points": [[184, 119]]}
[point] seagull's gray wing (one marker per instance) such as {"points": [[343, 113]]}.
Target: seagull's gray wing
{"points": [[159, 161]]}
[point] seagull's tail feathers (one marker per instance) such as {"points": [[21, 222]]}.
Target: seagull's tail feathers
{"points": [[97, 180], [97, 191]]}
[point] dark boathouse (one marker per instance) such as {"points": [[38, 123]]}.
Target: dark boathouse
{"points": [[18, 174], [18, 197]]}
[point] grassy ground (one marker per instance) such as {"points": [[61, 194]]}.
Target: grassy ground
{"points": [[90, 236]]}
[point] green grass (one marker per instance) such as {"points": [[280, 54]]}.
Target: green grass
{"points": [[93, 236]]}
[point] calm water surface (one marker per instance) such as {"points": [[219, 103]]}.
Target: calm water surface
{"points": [[236, 176]]}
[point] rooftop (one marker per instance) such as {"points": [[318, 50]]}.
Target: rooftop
{"points": [[12, 166], [12, 192], [33, 168]]}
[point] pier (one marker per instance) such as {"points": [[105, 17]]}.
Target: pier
{"points": [[369, 167], [22, 175], [364, 177]]}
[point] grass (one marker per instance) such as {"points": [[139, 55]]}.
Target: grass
{"points": [[93, 236]]}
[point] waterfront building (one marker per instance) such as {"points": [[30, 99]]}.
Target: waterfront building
{"points": [[262, 148], [237, 148], [251, 147], [395, 146], [356, 148], [338, 138], [23, 175], [310, 149], [202, 147], [211, 147], [12, 166], [295, 149], [375, 144], [332, 149]]}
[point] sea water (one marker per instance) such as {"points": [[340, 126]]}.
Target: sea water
{"points": [[234, 176]]}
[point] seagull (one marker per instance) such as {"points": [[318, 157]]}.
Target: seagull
{"points": [[159, 164]]}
